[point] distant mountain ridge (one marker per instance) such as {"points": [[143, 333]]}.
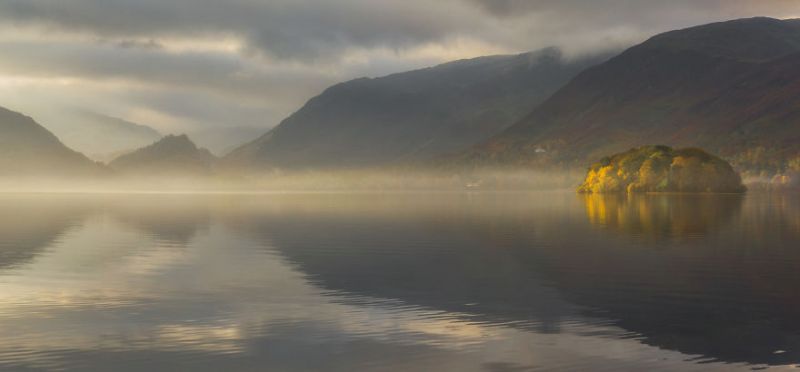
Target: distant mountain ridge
{"points": [[732, 88], [171, 155], [99, 136], [222, 140], [28, 149], [412, 116]]}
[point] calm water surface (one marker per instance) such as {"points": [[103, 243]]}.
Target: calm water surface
{"points": [[438, 282]]}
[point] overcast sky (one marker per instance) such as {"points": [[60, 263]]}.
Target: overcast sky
{"points": [[182, 64]]}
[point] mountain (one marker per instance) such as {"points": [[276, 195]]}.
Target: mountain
{"points": [[97, 135], [732, 88], [413, 115], [28, 149], [172, 155], [223, 140]]}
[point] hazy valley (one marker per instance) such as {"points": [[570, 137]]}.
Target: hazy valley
{"points": [[728, 88]]}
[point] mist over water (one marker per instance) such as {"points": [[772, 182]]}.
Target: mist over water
{"points": [[398, 281], [321, 180]]}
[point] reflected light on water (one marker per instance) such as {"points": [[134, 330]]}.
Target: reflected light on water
{"points": [[448, 281]]}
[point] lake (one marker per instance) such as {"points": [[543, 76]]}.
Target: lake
{"points": [[450, 281]]}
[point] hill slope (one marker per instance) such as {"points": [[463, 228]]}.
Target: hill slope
{"points": [[28, 149], [100, 136], [412, 115], [223, 140], [172, 155], [732, 88]]}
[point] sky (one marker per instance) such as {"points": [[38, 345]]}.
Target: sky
{"points": [[184, 65]]}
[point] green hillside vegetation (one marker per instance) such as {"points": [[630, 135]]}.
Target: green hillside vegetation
{"points": [[662, 169]]}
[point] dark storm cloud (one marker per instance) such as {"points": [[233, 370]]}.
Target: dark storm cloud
{"points": [[283, 28], [306, 29], [510, 8], [623, 10]]}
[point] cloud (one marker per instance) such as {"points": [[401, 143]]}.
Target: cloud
{"points": [[621, 10], [307, 30], [288, 29], [146, 44]]}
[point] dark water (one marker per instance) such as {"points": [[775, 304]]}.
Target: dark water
{"points": [[413, 282]]}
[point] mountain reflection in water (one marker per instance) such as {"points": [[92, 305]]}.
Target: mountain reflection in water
{"points": [[446, 281]]}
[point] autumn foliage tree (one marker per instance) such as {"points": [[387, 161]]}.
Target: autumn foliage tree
{"points": [[662, 169]]}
